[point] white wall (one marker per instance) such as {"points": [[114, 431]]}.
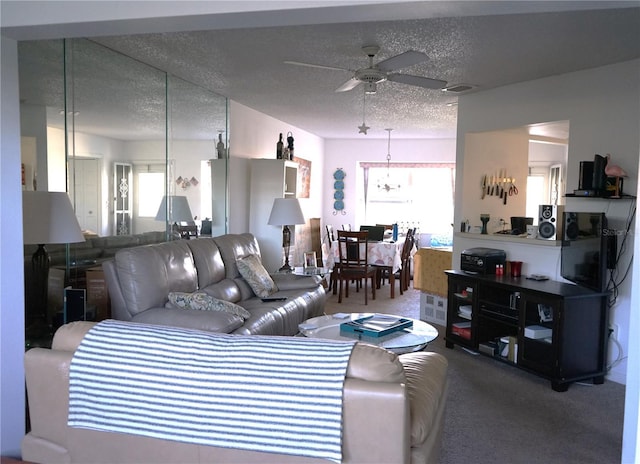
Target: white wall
{"points": [[493, 154], [254, 135], [12, 398], [33, 123], [348, 153], [602, 108]]}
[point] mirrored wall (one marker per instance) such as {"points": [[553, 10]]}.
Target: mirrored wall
{"points": [[136, 149]]}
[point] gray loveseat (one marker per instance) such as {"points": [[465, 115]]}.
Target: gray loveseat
{"points": [[141, 279]]}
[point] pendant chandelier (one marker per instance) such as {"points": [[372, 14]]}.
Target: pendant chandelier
{"points": [[385, 183]]}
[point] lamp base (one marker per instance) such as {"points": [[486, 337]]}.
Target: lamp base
{"points": [[286, 268]]}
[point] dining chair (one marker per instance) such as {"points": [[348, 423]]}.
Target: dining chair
{"points": [[333, 279], [403, 275], [353, 263], [330, 236], [346, 227]]}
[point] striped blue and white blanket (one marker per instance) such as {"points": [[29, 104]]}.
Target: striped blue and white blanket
{"points": [[272, 394]]}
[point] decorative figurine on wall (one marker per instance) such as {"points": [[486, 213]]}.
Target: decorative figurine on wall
{"points": [[338, 195]]}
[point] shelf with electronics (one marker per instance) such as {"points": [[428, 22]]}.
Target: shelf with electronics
{"points": [[600, 179], [552, 329], [509, 238]]}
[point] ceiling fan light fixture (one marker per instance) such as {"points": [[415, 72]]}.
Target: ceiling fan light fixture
{"points": [[370, 88]]}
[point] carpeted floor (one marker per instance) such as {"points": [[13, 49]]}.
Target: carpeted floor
{"points": [[499, 414]]}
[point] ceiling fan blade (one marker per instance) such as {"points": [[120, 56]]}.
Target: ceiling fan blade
{"points": [[402, 60], [418, 81], [309, 65], [350, 84]]}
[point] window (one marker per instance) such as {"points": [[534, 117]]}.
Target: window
{"points": [[419, 195], [536, 192], [152, 184]]}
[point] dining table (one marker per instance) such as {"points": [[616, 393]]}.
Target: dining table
{"points": [[386, 253]]}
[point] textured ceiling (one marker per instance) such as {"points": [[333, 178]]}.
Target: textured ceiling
{"points": [[247, 65]]}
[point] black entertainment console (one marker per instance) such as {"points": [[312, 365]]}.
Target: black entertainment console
{"points": [[556, 330]]}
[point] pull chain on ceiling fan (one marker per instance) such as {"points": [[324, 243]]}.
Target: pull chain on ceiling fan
{"points": [[363, 128]]}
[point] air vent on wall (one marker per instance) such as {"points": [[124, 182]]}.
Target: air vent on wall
{"points": [[459, 88]]}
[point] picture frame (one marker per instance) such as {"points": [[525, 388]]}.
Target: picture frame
{"points": [[310, 260]]}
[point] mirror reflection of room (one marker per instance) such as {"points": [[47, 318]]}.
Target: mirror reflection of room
{"points": [[119, 136]]}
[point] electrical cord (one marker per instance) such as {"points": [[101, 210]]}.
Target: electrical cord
{"points": [[619, 358], [614, 280]]}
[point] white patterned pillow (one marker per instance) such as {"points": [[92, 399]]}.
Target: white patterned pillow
{"points": [[205, 302], [256, 275]]}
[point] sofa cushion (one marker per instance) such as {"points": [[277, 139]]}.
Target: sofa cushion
{"points": [[257, 276], [210, 321], [148, 273], [204, 302], [208, 261], [235, 246], [375, 364]]}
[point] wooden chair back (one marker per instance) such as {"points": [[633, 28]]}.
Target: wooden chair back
{"points": [[352, 249], [330, 236]]}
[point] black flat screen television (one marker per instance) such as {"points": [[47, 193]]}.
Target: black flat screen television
{"points": [[584, 249]]}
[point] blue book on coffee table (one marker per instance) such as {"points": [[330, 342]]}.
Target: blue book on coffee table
{"points": [[377, 325]]}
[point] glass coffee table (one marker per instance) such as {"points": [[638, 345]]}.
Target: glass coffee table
{"points": [[406, 340]]}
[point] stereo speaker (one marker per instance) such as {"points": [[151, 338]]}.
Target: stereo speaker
{"points": [[550, 222], [571, 226]]}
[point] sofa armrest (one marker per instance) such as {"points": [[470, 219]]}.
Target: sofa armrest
{"points": [[427, 386], [118, 304], [295, 282], [47, 378], [370, 411]]}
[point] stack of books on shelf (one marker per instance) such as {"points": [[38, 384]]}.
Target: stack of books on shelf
{"points": [[462, 329], [464, 311]]}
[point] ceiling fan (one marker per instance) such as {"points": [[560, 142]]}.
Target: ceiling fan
{"points": [[382, 71]]}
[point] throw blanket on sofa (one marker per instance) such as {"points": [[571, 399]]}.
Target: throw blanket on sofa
{"points": [[273, 394]]}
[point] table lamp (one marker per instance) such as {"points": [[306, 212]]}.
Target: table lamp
{"points": [[176, 208], [47, 218], [286, 212]]}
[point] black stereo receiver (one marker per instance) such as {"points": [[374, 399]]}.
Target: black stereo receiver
{"points": [[482, 260]]}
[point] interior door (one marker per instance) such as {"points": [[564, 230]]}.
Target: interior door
{"points": [[86, 193]]}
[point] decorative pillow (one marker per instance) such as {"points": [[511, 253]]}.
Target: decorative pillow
{"points": [[256, 276], [205, 302]]}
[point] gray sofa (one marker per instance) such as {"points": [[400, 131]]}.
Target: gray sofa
{"points": [[90, 253], [141, 279], [93, 249]]}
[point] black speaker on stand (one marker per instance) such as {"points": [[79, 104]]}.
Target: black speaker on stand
{"points": [[550, 222]]}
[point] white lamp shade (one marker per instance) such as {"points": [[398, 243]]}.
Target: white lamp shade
{"points": [[286, 211], [178, 209], [48, 217]]}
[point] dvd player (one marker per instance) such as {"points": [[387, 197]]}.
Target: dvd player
{"points": [[585, 193]]}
